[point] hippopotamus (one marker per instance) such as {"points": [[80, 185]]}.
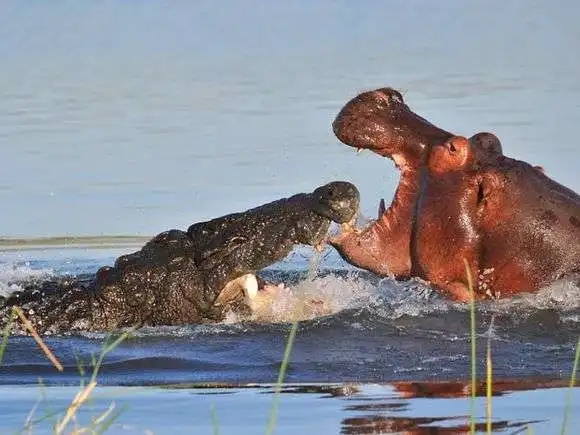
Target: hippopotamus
{"points": [[460, 203], [186, 277]]}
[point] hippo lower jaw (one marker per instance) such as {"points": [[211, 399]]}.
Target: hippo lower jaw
{"points": [[384, 246]]}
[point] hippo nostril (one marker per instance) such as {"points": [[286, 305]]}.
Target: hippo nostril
{"points": [[388, 96]]}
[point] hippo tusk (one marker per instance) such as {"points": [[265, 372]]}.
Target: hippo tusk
{"points": [[382, 208]]}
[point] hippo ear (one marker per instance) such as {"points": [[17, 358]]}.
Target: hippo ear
{"points": [[212, 257], [382, 208]]}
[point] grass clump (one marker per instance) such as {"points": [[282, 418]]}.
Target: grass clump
{"points": [[101, 422]]}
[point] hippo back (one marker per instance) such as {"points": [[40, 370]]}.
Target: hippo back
{"points": [[530, 226]]}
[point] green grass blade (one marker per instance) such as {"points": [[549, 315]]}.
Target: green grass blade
{"points": [[571, 389], [214, 420], [108, 347], [5, 335], [111, 418], [488, 385], [473, 348], [279, 382]]}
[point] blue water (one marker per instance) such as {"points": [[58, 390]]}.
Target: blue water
{"points": [[129, 118], [331, 408]]}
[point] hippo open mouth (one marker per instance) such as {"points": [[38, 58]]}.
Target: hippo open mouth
{"points": [[459, 201], [380, 121]]}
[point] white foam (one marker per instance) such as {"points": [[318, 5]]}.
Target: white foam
{"points": [[563, 295], [329, 295], [19, 271], [390, 299], [188, 331], [314, 298]]}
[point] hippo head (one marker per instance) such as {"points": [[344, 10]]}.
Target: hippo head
{"points": [[338, 201], [380, 121]]}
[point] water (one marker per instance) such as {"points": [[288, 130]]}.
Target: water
{"points": [[330, 408], [383, 343], [132, 118]]}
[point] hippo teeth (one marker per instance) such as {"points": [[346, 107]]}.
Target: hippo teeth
{"points": [[358, 150]]}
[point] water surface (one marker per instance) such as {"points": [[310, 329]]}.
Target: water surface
{"points": [[130, 118]]}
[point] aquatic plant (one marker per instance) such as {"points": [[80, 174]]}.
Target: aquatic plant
{"points": [[312, 270], [102, 421], [473, 348], [570, 389], [280, 381], [489, 370]]}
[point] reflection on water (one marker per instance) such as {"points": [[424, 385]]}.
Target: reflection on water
{"points": [[243, 409], [386, 408], [382, 413], [420, 425], [439, 389]]}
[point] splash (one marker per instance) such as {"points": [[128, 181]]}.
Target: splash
{"points": [[413, 298], [390, 300], [313, 298], [12, 273], [563, 295]]}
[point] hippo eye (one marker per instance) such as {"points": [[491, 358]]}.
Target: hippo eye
{"points": [[452, 148]]}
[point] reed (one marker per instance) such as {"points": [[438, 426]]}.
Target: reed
{"points": [[312, 271], [214, 420], [5, 335], [101, 422], [488, 386], [568, 404], [473, 348], [280, 381], [30, 328]]}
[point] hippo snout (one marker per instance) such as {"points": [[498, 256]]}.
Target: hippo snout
{"points": [[338, 201]]}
